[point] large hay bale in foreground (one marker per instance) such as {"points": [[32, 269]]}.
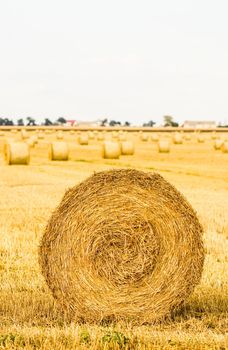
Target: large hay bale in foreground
{"points": [[58, 151], [164, 146], [16, 153], [123, 244], [127, 148], [111, 150]]}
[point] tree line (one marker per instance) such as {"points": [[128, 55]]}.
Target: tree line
{"points": [[30, 121]]}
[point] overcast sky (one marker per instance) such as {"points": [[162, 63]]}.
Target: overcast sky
{"points": [[121, 59]]}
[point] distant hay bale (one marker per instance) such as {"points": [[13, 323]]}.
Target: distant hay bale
{"points": [[24, 134], [58, 151], [122, 244], [59, 135], [91, 135], [83, 139], [122, 137], [31, 141], [16, 153], [225, 147], [154, 137], [115, 135], [177, 139], [2, 133], [144, 137], [40, 135], [187, 137], [214, 136], [200, 139], [13, 131], [127, 148], [72, 132], [47, 131], [100, 137], [218, 144], [111, 150], [164, 146]]}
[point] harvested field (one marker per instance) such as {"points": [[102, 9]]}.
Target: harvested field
{"points": [[30, 317]]}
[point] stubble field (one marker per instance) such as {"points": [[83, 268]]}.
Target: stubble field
{"points": [[29, 317]]}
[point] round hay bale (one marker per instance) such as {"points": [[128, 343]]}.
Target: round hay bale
{"points": [[100, 137], [24, 134], [72, 132], [127, 148], [122, 137], [83, 139], [31, 142], [13, 131], [225, 147], [58, 151], [111, 150], [200, 139], [91, 135], [218, 144], [177, 139], [59, 135], [115, 135], [144, 137], [47, 131], [187, 137], [214, 136], [164, 146], [16, 153], [154, 137], [123, 244], [40, 135]]}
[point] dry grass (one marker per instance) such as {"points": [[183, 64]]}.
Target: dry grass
{"points": [[29, 317]]}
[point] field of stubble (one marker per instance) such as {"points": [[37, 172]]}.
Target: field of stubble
{"points": [[29, 317]]}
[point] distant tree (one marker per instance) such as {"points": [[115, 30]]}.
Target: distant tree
{"points": [[168, 121], [61, 120], [104, 122], [47, 122], [114, 123], [20, 122], [8, 122], [127, 124], [31, 121], [149, 124]]}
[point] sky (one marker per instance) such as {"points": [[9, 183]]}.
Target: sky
{"points": [[125, 60]]}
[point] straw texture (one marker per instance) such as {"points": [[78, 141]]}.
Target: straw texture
{"points": [[123, 244]]}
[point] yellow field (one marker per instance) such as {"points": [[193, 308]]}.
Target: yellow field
{"points": [[29, 317]]}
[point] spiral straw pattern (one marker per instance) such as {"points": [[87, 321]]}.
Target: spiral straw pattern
{"points": [[123, 244]]}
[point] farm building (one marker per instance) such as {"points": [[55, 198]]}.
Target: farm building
{"points": [[191, 124]]}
